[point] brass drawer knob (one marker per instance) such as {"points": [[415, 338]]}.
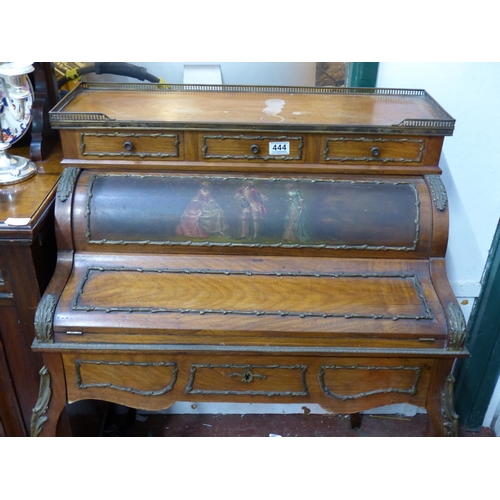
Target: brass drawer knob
{"points": [[375, 151], [254, 149], [128, 145]]}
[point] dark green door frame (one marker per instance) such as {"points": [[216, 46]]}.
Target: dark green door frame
{"points": [[362, 74], [477, 376]]}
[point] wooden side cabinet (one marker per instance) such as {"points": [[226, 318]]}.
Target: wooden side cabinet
{"points": [[27, 261]]}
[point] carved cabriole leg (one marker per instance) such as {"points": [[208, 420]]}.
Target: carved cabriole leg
{"points": [[443, 421], [51, 400]]}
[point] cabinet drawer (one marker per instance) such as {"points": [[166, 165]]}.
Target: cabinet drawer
{"points": [[131, 145], [358, 380], [248, 379], [139, 377], [252, 147], [374, 149]]}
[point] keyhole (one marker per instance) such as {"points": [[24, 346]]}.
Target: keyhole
{"points": [[248, 377]]}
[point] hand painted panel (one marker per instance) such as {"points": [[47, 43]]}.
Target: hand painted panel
{"points": [[216, 211]]}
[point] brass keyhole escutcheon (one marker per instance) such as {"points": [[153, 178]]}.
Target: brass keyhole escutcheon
{"points": [[247, 376]]}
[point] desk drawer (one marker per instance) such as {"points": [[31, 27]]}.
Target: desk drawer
{"points": [[131, 145], [280, 148], [360, 379], [143, 377], [248, 379], [355, 149]]}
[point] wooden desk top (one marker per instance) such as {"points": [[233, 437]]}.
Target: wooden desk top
{"points": [[31, 198], [306, 108]]}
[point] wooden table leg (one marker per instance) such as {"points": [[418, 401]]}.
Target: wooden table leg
{"points": [[356, 419]]}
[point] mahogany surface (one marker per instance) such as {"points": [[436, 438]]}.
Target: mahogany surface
{"points": [[27, 261], [204, 108], [197, 263]]}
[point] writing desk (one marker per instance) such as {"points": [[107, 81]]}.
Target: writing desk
{"points": [[250, 244]]}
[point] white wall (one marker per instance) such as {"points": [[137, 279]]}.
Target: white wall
{"points": [[235, 73], [469, 92]]}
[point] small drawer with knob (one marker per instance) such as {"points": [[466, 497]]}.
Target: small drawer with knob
{"points": [[368, 149], [131, 145], [249, 147]]}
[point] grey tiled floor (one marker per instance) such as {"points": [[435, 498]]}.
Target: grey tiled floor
{"points": [[253, 425]]}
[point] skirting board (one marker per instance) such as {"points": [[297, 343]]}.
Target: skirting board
{"points": [[183, 407]]}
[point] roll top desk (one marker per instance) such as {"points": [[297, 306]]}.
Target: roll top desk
{"points": [[250, 244]]}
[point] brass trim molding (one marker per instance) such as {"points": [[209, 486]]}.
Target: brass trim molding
{"points": [[372, 158], [145, 364], [225, 272], [458, 327], [44, 318], [38, 417], [247, 379], [207, 155], [411, 390], [232, 244], [67, 182], [254, 349], [438, 192], [125, 154], [442, 125], [447, 408]]}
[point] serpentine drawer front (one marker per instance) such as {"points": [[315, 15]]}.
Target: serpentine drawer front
{"points": [[290, 249], [338, 383]]}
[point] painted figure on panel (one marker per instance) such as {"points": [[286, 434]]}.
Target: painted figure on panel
{"points": [[202, 216], [295, 228], [252, 208]]}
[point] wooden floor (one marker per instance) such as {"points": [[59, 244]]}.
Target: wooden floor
{"points": [[138, 424]]}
